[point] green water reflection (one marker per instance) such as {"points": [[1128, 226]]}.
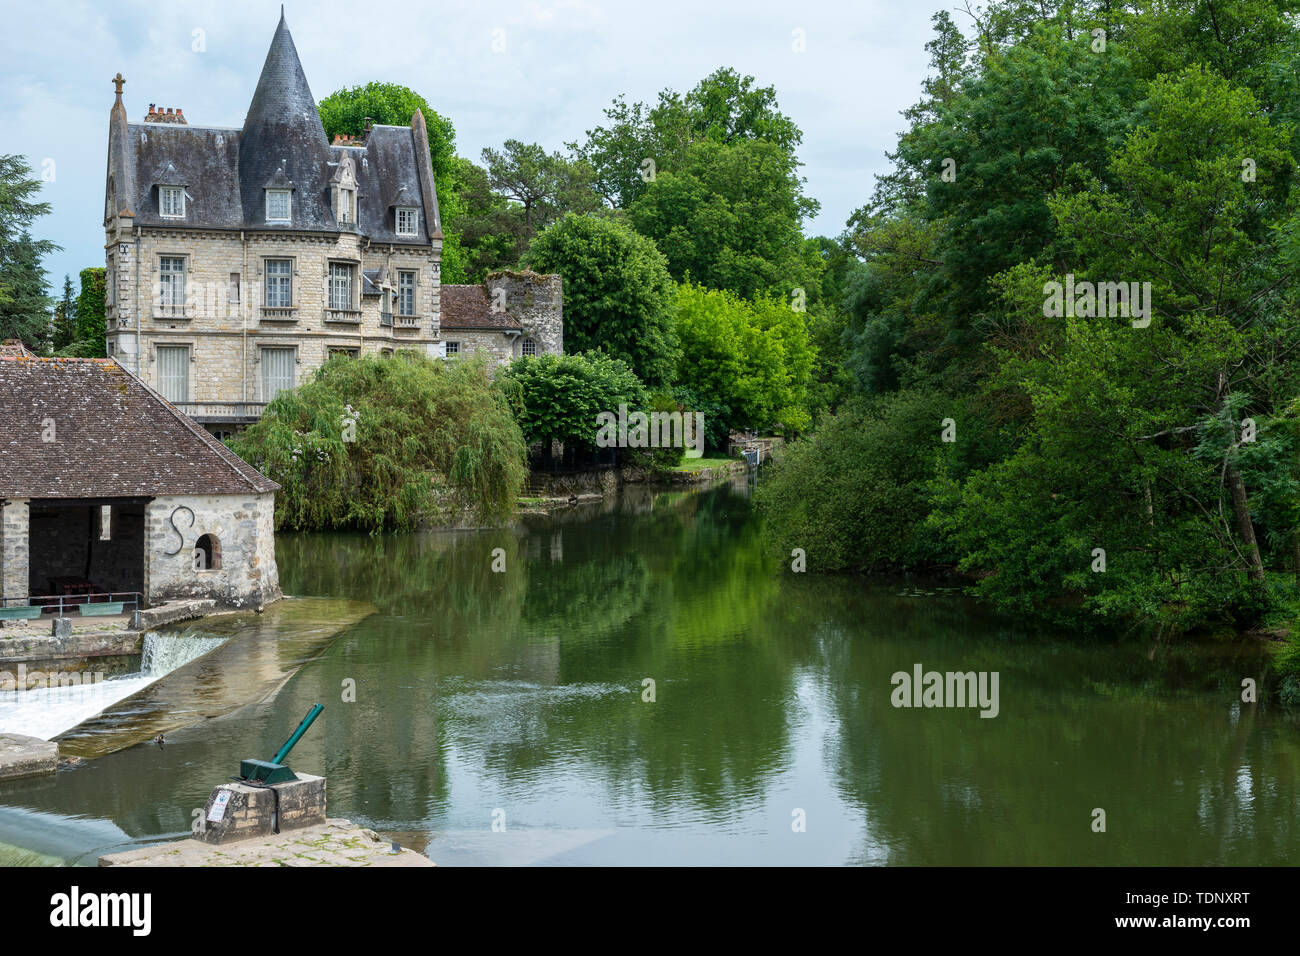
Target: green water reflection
{"points": [[521, 692]]}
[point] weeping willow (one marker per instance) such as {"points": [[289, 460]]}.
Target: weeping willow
{"points": [[383, 444]]}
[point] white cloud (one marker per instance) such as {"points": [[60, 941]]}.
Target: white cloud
{"points": [[564, 61]]}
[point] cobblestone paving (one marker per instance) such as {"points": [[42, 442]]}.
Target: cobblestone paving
{"points": [[332, 843]]}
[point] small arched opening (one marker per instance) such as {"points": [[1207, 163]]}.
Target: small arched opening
{"points": [[207, 553], [528, 347]]}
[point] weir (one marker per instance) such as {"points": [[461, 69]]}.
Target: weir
{"points": [[64, 699]]}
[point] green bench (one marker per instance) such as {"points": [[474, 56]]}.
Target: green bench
{"points": [[20, 613], [101, 609]]}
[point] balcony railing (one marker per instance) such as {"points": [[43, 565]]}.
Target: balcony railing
{"points": [[386, 319], [163, 310], [279, 314], [352, 316], [407, 321], [228, 412]]}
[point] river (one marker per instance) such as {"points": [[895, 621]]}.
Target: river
{"points": [[508, 717]]}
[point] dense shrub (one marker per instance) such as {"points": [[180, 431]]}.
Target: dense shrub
{"points": [[557, 397], [870, 467], [379, 444]]}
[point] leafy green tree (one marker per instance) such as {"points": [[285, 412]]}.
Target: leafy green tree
{"points": [[752, 358], [492, 231], [729, 215], [1181, 180], [640, 140], [854, 495], [344, 112], [949, 68], [558, 397], [1102, 471], [995, 154], [1270, 465], [24, 304], [383, 444], [1134, 443], [620, 154], [90, 312], [546, 185], [617, 292], [1237, 40]]}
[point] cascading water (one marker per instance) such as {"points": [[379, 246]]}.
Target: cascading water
{"points": [[66, 698], [163, 653]]}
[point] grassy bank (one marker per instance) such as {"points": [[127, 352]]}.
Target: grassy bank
{"points": [[699, 464]]}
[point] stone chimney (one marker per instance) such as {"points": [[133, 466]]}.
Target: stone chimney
{"points": [[169, 115]]}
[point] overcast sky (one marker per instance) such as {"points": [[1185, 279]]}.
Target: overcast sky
{"points": [[562, 63]]}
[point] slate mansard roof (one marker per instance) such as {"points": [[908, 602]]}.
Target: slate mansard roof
{"points": [[113, 437], [225, 171]]}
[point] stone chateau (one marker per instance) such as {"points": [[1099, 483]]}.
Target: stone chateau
{"points": [[240, 260]]}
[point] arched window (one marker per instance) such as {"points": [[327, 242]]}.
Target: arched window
{"points": [[528, 347], [207, 553]]}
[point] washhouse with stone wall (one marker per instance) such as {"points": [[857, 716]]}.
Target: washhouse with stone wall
{"points": [[240, 259], [108, 493]]}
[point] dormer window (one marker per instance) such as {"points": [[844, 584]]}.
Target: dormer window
{"points": [[406, 221], [278, 205], [343, 185], [171, 199]]}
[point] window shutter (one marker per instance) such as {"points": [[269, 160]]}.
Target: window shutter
{"points": [[277, 371], [174, 372]]}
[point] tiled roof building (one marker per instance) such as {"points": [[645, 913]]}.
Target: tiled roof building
{"points": [[240, 259], [107, 490], [109, 436]]}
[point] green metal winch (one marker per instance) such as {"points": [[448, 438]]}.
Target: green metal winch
{"points": [[273, 771]]}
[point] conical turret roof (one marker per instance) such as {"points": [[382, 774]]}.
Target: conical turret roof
{"points": [[282, 98], [283, 134]]}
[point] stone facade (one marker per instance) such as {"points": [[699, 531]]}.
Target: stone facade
{"points": [[535, 302], [241, 530], [500, 348], [14, 553], [226, 323], [508, 315], [360, 230]]}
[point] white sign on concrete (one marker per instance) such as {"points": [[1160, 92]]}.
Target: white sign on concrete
{"points": [[218, 811]]}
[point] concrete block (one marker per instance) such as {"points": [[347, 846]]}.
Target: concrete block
{"points": [[22, 756], [252, 811]]}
